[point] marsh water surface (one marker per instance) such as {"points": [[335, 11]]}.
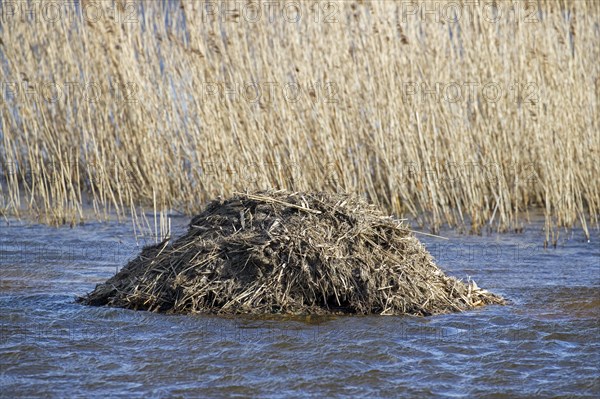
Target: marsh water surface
{"points": [[545, 342]]}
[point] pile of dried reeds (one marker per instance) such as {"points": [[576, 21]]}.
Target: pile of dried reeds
{"points": [[282, 252]]}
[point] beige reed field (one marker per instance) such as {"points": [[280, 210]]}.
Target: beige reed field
{"points": [[466, 114]]}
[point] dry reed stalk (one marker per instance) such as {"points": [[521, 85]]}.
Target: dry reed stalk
{"points": [[474, 161]]}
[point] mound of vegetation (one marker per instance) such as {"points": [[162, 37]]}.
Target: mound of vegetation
{"points": [[294, 253]]}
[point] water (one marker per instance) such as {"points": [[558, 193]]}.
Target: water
{"points": [[545, 342]]}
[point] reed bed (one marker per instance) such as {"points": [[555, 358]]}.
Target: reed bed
{"points": [[291, 253], [468, 122]]}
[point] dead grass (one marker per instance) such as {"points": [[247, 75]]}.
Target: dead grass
{"points": [[290, 253], [154, 135]]}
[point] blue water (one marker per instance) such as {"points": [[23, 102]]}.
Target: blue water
{"points": [[545, 342]]}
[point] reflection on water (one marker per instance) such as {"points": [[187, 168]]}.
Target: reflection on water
{"points": [[545, 342]]}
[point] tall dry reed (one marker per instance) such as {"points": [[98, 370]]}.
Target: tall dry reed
{"points": [[470, 115]]}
